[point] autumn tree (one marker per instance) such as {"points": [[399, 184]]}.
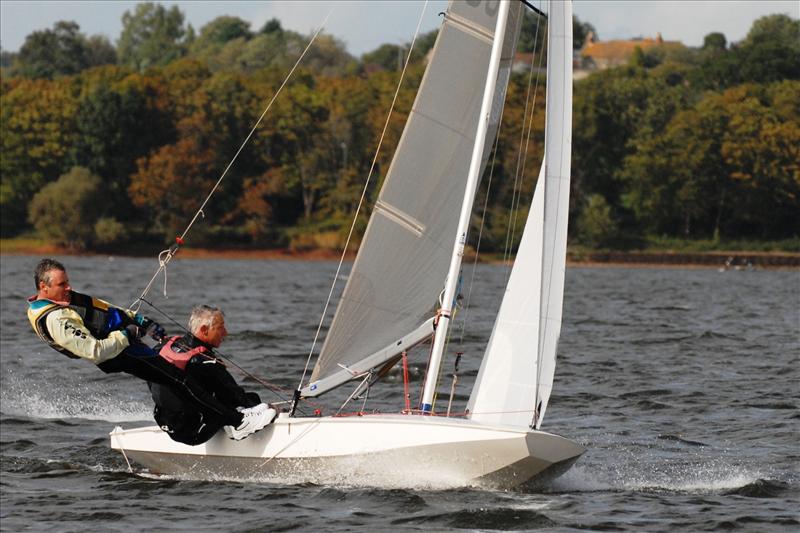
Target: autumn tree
{"points": [[37, 118], [727, 166], [116, 125]]}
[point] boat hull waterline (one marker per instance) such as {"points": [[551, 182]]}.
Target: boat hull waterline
{"points": [[397, 451]]}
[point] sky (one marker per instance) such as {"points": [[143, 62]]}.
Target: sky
{"points": [[365, 25]]}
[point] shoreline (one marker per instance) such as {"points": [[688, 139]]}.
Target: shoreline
{"points": [[730, 260]]}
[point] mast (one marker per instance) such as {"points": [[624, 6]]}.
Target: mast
{"points": [[451, 281]]}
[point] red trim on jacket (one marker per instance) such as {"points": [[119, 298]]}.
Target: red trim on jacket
{"points": [[179, 359]]}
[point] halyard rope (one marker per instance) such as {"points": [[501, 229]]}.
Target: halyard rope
{"points": [[522, 155]]}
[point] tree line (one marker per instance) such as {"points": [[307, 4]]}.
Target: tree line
{"points": [[106, 145]]}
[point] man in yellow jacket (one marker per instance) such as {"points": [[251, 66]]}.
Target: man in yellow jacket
{"points": [[80, 326]]}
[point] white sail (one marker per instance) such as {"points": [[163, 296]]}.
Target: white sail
{"points": [[516, 376], [404, 257], [505, 388]]}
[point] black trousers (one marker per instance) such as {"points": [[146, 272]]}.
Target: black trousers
{"points": [[144, 363], [188, 423]]}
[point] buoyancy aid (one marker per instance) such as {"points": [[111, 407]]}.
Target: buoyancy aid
{"points": [[98, 317], [177, 358]]}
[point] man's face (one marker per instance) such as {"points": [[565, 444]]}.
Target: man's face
{"points": [[215, 333], [58, 289]]}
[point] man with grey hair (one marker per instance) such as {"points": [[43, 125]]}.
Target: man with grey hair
{"points": [[83, 327], [194, 354]]}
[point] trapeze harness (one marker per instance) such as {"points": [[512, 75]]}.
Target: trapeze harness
{"points": [[98, 317], [180, 359]]}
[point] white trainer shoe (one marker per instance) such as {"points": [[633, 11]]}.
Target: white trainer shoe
{"points": [[253, 419]]}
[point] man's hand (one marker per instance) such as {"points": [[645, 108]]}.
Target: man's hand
{"points": [[142, 321], [134, 333], [155, 331], [151, 328]]}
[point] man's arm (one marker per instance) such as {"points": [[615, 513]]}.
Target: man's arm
{"points": [[67, 330]]}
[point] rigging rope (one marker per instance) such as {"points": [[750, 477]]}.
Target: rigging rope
{"points": [[524, 158], [363, 195], [169, 253], [522, 155], [514, 208], [480, 233]]}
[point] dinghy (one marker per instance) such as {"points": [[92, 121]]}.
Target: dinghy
{"points": [[402, 289]]}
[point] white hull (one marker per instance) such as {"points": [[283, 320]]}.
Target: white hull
{"points": [[375, 450]]}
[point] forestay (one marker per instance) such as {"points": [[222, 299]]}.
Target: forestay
{"points": [[516, 376], [401, 266]]}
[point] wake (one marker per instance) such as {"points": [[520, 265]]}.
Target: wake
{"points": [[711, 477], [48, 402]]}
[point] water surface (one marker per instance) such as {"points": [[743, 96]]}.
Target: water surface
{"points": [[682, 384]]}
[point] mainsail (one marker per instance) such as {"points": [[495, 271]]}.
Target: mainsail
{"points": [[391, 294], [516, 376]]}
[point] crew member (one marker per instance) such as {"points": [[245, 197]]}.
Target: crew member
{"points": [[80, 326], [194, 353]]}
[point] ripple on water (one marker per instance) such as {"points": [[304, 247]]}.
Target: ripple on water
{"points": [[761, 488]]}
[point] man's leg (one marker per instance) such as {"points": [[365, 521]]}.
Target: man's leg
{"points": [[215, 378], [183, 422], [156, 369]]}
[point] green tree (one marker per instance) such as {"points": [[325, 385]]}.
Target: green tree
{"points": [[580, 31], [607, 111], [214, 35], [761, 148], [166, 183], [771, 50], [715, 41], [66, 210], [100, 51], [115, 126], [169, 184], [387, 56], [6, 59], [596, 225], [49, 53], [152, 35], [273, 25]]}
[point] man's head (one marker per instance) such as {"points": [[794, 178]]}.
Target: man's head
{"points": [[52, 282], [208, 324]]}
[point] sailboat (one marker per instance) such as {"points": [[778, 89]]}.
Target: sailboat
{"points": [[402, 287]]}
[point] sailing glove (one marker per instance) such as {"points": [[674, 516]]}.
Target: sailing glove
{"points": [[134, 332], [152, 328], [142, 320], [155, 331]]}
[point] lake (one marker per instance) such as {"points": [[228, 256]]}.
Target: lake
{"points": [[683, 384]]}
